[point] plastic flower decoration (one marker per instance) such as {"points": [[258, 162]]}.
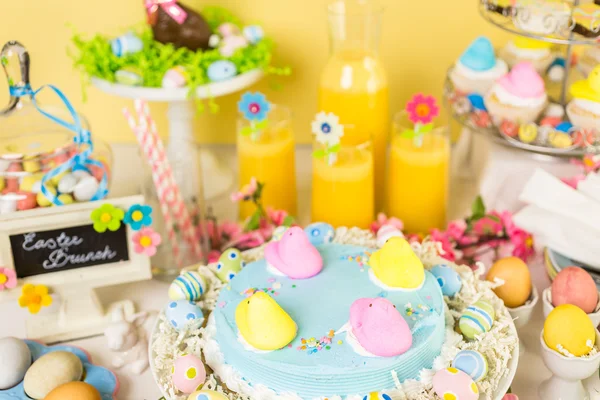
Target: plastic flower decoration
{"points": [[145, 241], [246, 192], [254, 107], [328, 131], [106, 217], [8, 279], [34, 297], [422, 109], [138, 216]]}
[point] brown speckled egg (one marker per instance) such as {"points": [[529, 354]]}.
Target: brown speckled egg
{"points": [[573, 285], [517, 287], [74, 391]]}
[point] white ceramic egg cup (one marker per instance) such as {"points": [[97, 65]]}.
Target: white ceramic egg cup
{"points": [[521, 315], [548, 307], [567, 374]]}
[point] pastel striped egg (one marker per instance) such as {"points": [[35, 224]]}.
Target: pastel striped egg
{"points": [[453, 384], [188, 286], [478, 318], [473, 363], [448, 279]]}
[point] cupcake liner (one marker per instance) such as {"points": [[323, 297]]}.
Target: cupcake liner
{"points": [[581, 118], [467, 85], [587, 63], [540, 65], [521, 115]]}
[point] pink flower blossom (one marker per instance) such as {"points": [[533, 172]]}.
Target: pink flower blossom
{"points": [[444, 239], [382, 219], [248, 240], [246, 192], [507, 220], [589, 163], [8, 279], [145, 241], [422, 109], [487, 226], [213, 256], [467, 240], [456, 229], [523, 243], [276, 216]]}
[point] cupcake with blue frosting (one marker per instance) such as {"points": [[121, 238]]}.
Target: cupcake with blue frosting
{"points": [[478, 68]]}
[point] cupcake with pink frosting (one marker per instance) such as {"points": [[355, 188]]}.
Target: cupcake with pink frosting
{"points": [[519, 96]]}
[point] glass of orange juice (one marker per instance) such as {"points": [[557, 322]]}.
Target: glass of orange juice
{"points": [[417, 179], [342, 187], [353, 83], [267, 154]]}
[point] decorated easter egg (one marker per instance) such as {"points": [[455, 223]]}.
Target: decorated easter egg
{"points": [[50, 371], [528, 133], [448, 279], [183, 314], [221, 71], [85, 189], [477, 101], [472, 363], [67, 183], [560, 140], [452, 383], [386, 232], [254, 33], [42, 200], [574, 285], [188, 286], [207, 395], [126, 44], [27, 201], [517, 281], [510, 396], [74, 391], [175, 78], [278, 232], [230, 263], [188, 373], [377, 396], [569, 329], [319, 233], [228, 29], [15, 358], [129, 76], [564, 126], [478, 318]]}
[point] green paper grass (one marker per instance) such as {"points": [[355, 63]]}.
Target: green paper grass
{"points": [[94, 57]]}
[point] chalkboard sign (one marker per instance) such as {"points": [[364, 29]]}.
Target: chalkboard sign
{"points": [[43, 252]]}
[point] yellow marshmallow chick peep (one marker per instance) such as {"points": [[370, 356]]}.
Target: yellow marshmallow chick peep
{"points": [[588, 89], [396, 265], [263, 323]]}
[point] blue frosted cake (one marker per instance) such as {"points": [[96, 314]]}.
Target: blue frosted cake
{"points": [[331, 353]]}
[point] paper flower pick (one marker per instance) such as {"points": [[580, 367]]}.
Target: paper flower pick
{"points": [[421, 111], [254, 107], [328, 131]]}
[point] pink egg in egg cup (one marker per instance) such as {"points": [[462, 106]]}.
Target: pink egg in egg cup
{"points": [[548, 306], [567, 373], [522, 315]]}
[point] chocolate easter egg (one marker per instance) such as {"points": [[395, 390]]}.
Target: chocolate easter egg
{"points": [[193, 33]]}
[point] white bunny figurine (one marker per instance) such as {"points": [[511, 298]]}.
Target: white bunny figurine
{"points": [[127, 337]]}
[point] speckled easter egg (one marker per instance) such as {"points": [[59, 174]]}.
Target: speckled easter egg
{"points": [[188, 373], [377, 396], [569, 327], [448, 278], [230, 263], [183, 314], [221, 70], [319, 233], [573, 285], [207, 395], [50, 371], [472, 363], [15, 358], [478, 318], [74, 391], [517, 281], [188, 286], [453, 384]]}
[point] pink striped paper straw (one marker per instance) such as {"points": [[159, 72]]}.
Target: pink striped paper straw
{"points": [[164, 205], [180, 210]]}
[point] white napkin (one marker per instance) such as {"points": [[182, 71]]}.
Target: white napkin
{"points": [[562, 218]]}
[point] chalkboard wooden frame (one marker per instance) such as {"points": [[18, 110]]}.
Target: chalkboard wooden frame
{"points": [[136, 268]]}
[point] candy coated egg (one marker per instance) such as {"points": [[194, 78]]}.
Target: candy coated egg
{"points": [[528, 133], [175, 78], [517, 281], [564, 126], [319, 233], [207, 395], [550, 121], [15, 358], [472, 363], [74, 391], [448, 278], [254, 33], [28, 201], [85, 189], [377, 396], [188, 373], [477, 101], [183, 314], [188, 286], [66, 199], [67, 183], [129, 76], [221, 71], [561, 140], [509, 128], [50, 371], [55, 179], [573, 285], [42, 200], [569, 327], [230, 263], [80, 174], [453, 384], [478, 318], [386, 232]]}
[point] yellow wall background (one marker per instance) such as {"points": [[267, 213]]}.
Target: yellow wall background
{"points": [[420, 40]]}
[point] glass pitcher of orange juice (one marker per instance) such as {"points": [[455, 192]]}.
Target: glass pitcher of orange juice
{"points": [[353, 84]]}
